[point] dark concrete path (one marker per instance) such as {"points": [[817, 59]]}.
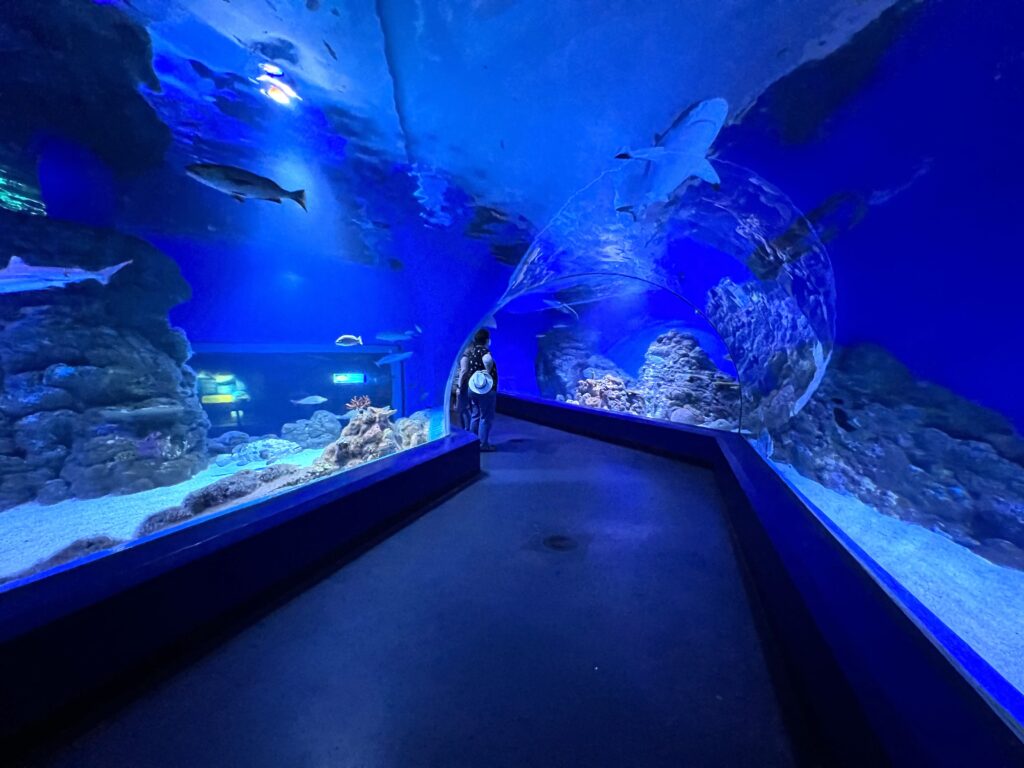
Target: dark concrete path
{"points": [[464, 641]]}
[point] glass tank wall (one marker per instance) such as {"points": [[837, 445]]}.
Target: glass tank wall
{"points": [[243, 242]]}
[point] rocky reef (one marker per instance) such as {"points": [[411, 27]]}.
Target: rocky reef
{"points": [[250, 451], [677, 381], [610, 393], [912, 450], [567, 357], [680, 383], [369, 434], [779, 357], [318, 431], [95, 395]]}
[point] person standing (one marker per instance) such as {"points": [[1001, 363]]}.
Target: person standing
{"points": [[479, 372]]}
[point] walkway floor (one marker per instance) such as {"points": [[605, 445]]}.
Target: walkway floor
{"points": [[466, 640]]}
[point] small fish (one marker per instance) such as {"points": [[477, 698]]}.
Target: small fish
{"points": [[560, 325], [348, 340], [395, 265], [397, 357], [19, 277], [311, 400], [242, 184], [330, 50], [390, 336], [419, 331]]}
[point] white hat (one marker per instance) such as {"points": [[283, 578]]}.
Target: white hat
{"points": [[480, 383]]}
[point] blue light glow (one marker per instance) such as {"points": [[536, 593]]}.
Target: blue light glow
{"points": [[348, 378]]}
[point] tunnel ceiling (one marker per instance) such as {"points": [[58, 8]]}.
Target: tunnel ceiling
{"points": [[520, 103]]}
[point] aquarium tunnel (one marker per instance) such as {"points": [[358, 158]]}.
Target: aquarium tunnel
{"points": [[511, 382]]}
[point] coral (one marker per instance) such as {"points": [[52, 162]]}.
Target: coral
{"points": [[912, 450], [360, 401], [680, 383], [608, 393], [318, 431], [95, 396]]}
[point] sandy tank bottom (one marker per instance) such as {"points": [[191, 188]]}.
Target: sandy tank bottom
{"points": [[981, 602], [32, 532]]}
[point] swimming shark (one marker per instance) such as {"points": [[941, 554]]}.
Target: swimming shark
{"points": [[19, 277], [654, 173]]}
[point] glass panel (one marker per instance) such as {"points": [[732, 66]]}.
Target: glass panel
{"points": [[621, 344]]}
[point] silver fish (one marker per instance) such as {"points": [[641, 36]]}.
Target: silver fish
{"points": [[390, 336], [18, 277], [348, 340], [242, 184], [311, 400], [397, 357]]}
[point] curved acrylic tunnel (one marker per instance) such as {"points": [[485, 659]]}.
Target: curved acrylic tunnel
{"points": [[620, 343], [741, 267]]}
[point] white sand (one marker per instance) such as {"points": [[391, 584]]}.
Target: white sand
{"points": [[32, 532], [981, 602]]}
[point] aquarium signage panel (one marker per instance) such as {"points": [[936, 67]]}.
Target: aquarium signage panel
{"points": [[348, 378]]}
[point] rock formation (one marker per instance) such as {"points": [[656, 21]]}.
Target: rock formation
{"points": [[778, 356], [95, 396], [679, 382], [566, 357], [912, 450], [318, 431], [233, 488], [609, 393], [268, 449], [369, 435], [413, 430]]}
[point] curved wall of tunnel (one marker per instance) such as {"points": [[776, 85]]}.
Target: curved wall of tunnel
{"points": [[734, 266]]}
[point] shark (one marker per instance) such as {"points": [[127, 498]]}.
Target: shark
{"points": [[654, 173], [19, 277]]}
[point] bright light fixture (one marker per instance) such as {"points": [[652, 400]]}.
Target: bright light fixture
{"points": [[274, 87]]}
